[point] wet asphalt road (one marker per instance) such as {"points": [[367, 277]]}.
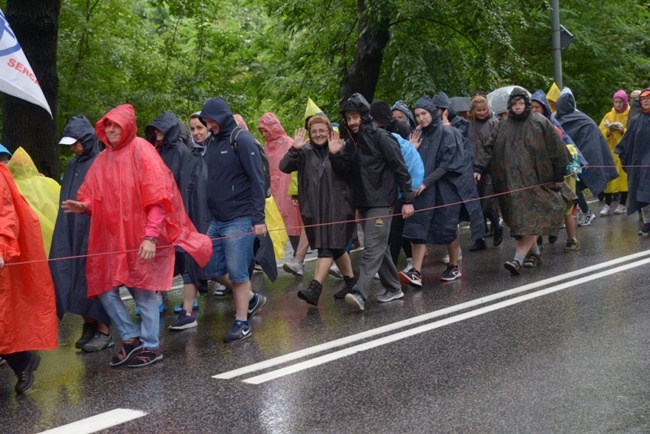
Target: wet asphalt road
{"points": [[561, 348]]}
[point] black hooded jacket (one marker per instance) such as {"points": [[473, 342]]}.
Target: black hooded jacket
{"points": [[448, 179], [70, 237], [634, 150], [173, 152], [235, 181], [590, 141], [375, 162]]}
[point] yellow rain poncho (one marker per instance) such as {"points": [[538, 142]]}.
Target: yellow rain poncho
{"points": [[275, 226], [552, 96], [42, 193], [619, 184]]}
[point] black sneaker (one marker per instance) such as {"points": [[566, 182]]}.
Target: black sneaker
{"points": [[87, 334], [412, 278], [240, 330], [312, 293], [452, 272], [645, 230], [255, 304], [146, 357], [184, 321]]}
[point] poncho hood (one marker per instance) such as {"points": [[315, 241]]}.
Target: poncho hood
{"points": [[167, 123], [357, 103], [79, 128], [404, 108], [22, 166], [427, 104], [124, 116], [271, 123], [381, 112], [4, 151], [540, 97], [442, 100], [219, 111], [566, 103], [622, 95]]}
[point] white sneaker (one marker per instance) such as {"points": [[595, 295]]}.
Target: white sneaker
{"points": [[293, 266], [445, 259], [335, 272], [409, 265], [586, 219], [605, 211], [620, 209]]}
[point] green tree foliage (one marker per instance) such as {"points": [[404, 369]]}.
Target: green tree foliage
{"points": [[270, 55]]}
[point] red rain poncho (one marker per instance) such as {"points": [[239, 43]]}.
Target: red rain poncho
{"points": [[123, 183], [276, 148], [27, 308]]}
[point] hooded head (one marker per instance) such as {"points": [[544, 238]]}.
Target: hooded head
{"points": [[22, 166], [566, 103], [519, 94], [239, 120], [270, 127], [622, 95], [216, 110], [380, 112], [540, 97], [426, 103], [5, 155], [357, 103], [122, 116], [79, 129], [408, 116], [167, 123], [442, 101]]}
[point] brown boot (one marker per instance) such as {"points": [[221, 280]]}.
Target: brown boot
{"points": [[312, 293]]}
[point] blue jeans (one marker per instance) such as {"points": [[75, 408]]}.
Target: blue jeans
{"points": [[148, 303], [231, 255]]}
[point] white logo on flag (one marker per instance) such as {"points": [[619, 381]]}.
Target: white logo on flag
{"points": [[16, 75]]}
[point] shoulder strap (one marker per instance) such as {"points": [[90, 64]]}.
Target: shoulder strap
{"points": [[233, 138]]}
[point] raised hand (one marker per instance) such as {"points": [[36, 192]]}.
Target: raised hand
{"points": [[335, 142], [299, 140], [416, 138]]}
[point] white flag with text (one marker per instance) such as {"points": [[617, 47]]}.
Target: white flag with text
{"points": [[16, 76]]}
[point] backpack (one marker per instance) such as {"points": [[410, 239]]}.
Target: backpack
{"points": [[262, 154]]}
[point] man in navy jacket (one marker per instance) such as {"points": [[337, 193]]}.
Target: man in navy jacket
{"points": [[236, 198]]}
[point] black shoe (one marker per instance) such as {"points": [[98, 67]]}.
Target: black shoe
{"points": [[26, 378], [478, 245], [87, 334], [312, 293], [347, 288], [498, 236], [552, 239], [255, 304]]}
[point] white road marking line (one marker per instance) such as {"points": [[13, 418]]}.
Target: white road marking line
{"points": [[417, 319], [98, 422], [431, 326]]}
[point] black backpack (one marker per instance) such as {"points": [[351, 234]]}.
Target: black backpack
{"points": [[262, 154]]}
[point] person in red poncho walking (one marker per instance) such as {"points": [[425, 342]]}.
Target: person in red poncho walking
{"points": [[28, 319], [137, 217]]}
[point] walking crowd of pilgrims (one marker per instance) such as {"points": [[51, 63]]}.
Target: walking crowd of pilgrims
{"points": [[212, 204]]}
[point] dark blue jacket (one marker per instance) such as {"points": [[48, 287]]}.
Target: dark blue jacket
{"points": [[235, 181]]}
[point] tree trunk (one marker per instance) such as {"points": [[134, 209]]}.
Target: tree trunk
{"points": [[363, 74], [36, 26]]}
